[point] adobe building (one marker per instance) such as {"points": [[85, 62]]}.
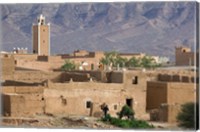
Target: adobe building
{"points": [[166, 95], [185, 57], [30, 85], [41, 37]]}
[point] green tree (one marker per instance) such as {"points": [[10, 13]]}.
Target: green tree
{"points": [[122, 62], [68, 66], [186, 117], [114, 59], [109, 58], [133, 62], [147, 62], [126, 111]]}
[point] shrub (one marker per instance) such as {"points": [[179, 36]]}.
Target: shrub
{"points": [[126, 111], [186, 117], [124, 123], [69, 65], [106, 118]]}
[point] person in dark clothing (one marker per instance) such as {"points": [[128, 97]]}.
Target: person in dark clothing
{"points": [[105, 109]]}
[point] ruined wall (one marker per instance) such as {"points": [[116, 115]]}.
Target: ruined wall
{"points": [[22, 105], [173, 111], [165, 113], [71, 98]]}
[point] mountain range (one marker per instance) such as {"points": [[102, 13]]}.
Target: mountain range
{"points": [[151, 27]]}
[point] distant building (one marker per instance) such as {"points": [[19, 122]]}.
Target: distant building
{"points": [[41, 37], [185, 57], [20, 50]]}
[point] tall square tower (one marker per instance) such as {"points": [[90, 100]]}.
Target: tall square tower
{"points": [[41, 37]]}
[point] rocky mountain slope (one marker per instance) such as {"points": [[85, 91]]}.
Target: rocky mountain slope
{"points": [[151, 27]]}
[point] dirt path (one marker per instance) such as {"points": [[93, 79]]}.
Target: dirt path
{"points": [[79, 122]]}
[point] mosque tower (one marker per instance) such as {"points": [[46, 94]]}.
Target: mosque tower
{"points": [[41, 37]]}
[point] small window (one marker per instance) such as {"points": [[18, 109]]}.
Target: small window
{"points": [[135, 80], [42, 22], [115, 107], [88, 104], [64, 101]]}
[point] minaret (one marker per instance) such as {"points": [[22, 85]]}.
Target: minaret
{"points": [[41, 37]]}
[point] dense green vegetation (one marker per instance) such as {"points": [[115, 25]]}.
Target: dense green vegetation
{"points": [[114, 59], [126, 111], [186, 117], [68, 66], [129, 122]]}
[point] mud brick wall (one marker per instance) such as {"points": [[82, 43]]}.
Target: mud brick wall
{"points": [[22, 105]]}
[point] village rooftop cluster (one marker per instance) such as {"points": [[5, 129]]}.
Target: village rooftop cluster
{"points": [[79, 83]]}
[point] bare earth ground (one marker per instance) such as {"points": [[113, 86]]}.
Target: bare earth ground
{"points": [[79, 122]]}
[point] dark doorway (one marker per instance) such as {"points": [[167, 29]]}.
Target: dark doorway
{"points": [[135, 80], [92, 66], [129, 102], [88, 104]]}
